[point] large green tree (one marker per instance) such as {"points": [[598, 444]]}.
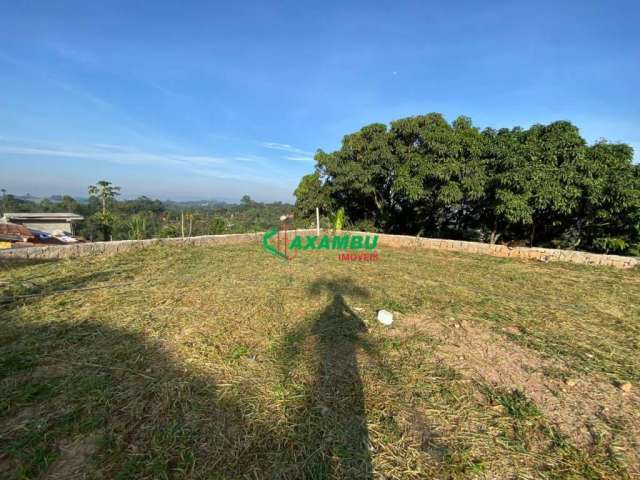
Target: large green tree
{"points": [[535, 175], [608, 216], [440, 170], [311, 194], [358, 176], [543, 185]]}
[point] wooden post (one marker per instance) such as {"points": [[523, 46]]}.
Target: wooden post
{"points": [[285, 239], [317, 221]]}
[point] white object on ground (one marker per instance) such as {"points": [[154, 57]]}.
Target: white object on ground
{"points": [[385, 318], [66, 238]]}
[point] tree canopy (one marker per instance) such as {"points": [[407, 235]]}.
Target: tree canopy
{"points": [[423, 175]]}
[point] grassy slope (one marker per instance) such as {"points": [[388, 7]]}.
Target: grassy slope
{"points": [[223, 362]]}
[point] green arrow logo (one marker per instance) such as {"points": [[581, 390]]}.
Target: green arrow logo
{"points": [[270, 248]]}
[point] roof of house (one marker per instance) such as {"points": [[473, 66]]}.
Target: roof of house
{"points": [[43, 216], [17, 232]]}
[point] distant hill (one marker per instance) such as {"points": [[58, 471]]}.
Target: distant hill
{"points": [[52, 198], [186, 203]]}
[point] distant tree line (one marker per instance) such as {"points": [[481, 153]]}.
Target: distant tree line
{"points": [[107, 218], [425, 176]]}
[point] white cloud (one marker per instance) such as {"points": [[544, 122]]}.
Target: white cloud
{"points": [[199, 159], [242, 168], [277, 146], [114, 154], [250, 159], [285, 147], [71, 53], [299, 158]]}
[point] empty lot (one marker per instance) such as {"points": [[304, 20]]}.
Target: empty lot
{"points": [[224, 362]]}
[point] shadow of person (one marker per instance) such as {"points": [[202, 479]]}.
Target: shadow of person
{"points": [[84, 397], [332, 431]]}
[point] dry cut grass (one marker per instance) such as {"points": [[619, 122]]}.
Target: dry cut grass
{"points": [[223, 362]]}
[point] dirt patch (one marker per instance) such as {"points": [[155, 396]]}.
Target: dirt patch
{"points": [[73, 457], [586, 408], [50, 371], [41, 372], [19, 420]]}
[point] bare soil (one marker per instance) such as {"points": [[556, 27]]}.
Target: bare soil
{"points": [[585, 408]]}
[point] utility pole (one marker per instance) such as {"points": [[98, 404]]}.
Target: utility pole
{"points": [[182, 223]]}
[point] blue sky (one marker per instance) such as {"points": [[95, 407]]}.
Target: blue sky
{"points": [[190, 100]]}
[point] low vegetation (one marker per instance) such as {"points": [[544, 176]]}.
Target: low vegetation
{"points": [[224, 362]]}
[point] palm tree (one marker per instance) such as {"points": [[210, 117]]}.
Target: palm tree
{"points": [[105, 191]]}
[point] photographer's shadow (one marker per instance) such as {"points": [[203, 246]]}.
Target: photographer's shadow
{"points": [[331, 426]]}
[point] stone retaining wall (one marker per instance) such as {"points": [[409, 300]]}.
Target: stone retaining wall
{"points": [[405, 241], [541, 254], [110, 248]]}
